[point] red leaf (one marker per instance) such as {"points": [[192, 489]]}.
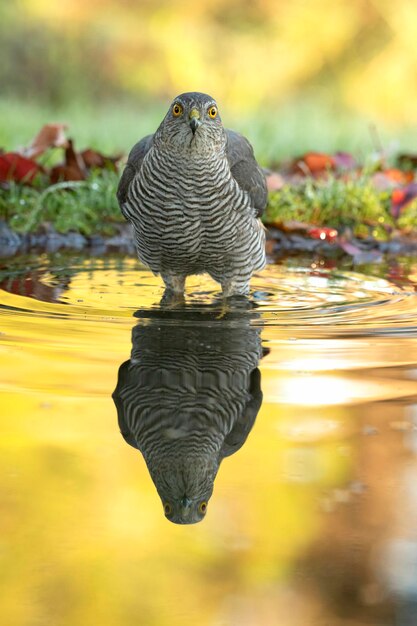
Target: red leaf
{"points": [[401, 198], [15, 167], [323, 232], [398, 196], [397, 176], [313, 163]]}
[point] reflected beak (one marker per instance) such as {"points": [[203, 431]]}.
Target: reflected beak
{"points": [[194, 119], [185, 507]]}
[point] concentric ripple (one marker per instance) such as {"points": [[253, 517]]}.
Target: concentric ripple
{"points": [[301, 300], [67, 325]]}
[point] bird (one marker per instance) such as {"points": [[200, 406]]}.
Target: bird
{"points": [[195, 193], [187, 398]]}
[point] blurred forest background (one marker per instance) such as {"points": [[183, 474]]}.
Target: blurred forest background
{"points": [[293, 76]]}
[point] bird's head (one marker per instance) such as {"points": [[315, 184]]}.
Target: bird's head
{"points": [[185, 488], [193, 123]]}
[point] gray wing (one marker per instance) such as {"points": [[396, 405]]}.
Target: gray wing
{"points": [[122, 381], [133, 165], [246, 171], [240, 431]]}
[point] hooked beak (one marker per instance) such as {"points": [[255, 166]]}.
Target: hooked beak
{"points": [[194, 120]]}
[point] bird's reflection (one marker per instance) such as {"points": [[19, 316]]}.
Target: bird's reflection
{"points": [[187, 398]]}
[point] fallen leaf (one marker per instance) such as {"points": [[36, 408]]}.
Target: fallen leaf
{"points": [[73, 168], [94, 159], [313, 164], [15, 167], [344, 161], [322, 232], [358, 254], [274, 181], [349, 247], [382, 182], [49, 136], [291, 226], [62, 173], [401, 197], [398, 176]]}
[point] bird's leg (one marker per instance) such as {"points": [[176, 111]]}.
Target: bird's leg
{"points": [[233, 287], [174, 282], [174, 290]]}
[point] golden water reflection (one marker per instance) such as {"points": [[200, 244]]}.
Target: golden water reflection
{"points": [[312, 521]]}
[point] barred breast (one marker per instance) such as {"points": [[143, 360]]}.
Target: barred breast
{"points": [[188, 385], [191, 216]]}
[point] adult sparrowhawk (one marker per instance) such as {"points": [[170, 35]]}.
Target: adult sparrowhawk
{"points": [[194, 194]]}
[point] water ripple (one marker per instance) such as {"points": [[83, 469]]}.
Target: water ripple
{"points": [[300, 300]]}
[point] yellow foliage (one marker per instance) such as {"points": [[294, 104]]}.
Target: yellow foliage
{"points": [[248, 55]]}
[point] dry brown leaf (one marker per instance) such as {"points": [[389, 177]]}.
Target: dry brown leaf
{"points": [[94, 159], [49, 136], [73, 168]]}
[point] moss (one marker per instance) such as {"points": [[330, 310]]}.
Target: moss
{"points": [[407, 221], [353, 203]]}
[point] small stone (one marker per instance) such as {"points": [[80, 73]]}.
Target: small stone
{"points": [[10, 241], [76, 241]]}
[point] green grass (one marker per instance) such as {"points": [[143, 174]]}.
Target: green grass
{"points": [[111, 128], [353, 204], [89, 207]]}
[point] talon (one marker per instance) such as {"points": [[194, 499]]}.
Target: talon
{"points": [[226, 308]]}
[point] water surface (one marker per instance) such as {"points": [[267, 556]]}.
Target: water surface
{"points": [[313, 517]]}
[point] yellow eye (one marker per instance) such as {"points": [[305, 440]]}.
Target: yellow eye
{"points": [[177, 110], [212, 113], [167, 509], [203, 507]]}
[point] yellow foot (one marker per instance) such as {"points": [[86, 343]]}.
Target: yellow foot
{"points": [[224, 310]]}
